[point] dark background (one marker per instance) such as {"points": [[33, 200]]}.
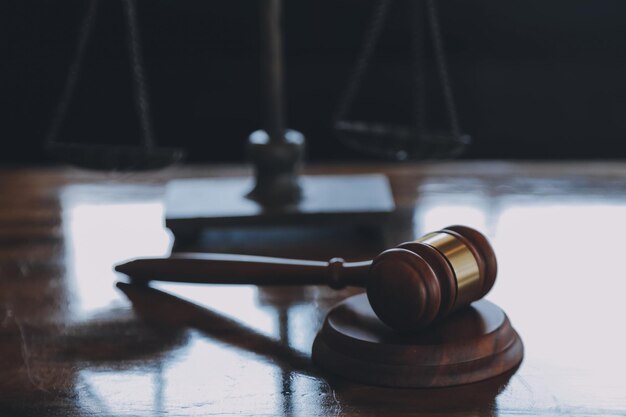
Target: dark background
{"points": [[532, 78]]}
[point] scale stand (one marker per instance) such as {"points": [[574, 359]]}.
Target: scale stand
{"points": [[278, 196]]}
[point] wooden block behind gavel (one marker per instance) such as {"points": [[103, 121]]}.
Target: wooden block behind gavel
{"points": [[408, 287]]}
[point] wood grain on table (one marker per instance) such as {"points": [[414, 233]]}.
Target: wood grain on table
{"points": [[71, 343]]}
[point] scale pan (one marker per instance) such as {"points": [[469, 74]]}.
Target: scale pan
{"points": [[400, 142], [115, 158]]}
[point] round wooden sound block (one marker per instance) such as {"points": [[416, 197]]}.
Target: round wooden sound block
{"points": [[471, 345]]}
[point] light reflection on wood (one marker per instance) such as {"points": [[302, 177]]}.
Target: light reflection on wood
{"points": [[557, 230]]}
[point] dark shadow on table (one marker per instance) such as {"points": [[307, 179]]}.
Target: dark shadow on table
{"points": [[478, 398]]}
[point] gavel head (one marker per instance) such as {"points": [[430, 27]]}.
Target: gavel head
{"points": [[422, 281]]}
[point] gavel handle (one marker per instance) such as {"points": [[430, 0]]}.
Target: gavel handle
{"points": [[217, 268]]}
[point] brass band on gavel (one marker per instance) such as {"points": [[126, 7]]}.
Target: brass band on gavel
{"points": [[463, 263]]}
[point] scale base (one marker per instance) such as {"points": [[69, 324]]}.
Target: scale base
{"points": [[471, 345], [194, 206]]}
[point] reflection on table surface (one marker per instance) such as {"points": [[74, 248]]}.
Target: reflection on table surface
{"points": [[71, 343]]}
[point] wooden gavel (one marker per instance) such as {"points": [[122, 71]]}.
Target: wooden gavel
{"points": [[408, 287]]}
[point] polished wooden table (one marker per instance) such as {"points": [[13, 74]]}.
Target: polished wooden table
{"points": [[71, 344]]}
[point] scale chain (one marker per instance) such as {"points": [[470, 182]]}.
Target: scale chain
{"points": [[137, 67]]}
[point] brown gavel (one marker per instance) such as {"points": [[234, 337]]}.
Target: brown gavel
{"points": [[408, 287]]}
